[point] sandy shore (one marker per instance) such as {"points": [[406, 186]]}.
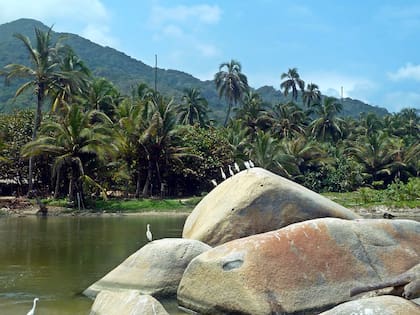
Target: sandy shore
{"points": [[10, 206]]}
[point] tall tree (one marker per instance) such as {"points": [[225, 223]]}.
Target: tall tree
{"points": [[71, 82], [311, 95], [287, 120], [292, 82], [252, 111], [44, 60], [193, 108], [231, 83], [157, 141], [327, 125], [73, 140]]}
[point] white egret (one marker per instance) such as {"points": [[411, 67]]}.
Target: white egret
{"points": [[148, 233], [213, 181], [237, 167], [223, 173], [231, 171], [246, 163], [251, 164], [32, 311]]}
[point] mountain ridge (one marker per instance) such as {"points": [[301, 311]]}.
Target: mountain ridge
{"points": [[126, 72]]}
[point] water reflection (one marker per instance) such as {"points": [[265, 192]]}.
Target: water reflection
{"points": [[56, 258]]}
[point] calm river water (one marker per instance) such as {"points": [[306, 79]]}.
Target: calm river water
{"points": [[56, 258]]}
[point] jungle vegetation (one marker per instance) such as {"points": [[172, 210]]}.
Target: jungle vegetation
{"points": [[87, 138]]}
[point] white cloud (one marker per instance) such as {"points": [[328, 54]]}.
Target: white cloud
{"points": [[89, 18], [398, 100], [335, 84], [99, 34], [202, 13], [180, 28], [409, 71], [207, 50], [76, 10], [172, 31]]}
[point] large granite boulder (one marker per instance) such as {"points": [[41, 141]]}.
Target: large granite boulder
{"points": [[379, 305], [126, 302], [154, 269], [256, 201], [304, 268]]}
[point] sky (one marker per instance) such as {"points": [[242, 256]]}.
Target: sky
{"points": [[369, 50]]}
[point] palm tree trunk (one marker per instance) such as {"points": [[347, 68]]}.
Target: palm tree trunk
{"points": [[228, 114], [37, 123], [57, 185], [148, 179]]}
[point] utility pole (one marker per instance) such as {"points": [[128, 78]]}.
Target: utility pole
{"points": [[155, 72]]}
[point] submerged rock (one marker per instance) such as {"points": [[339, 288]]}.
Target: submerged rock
{"points": [[154, 269], [256, 201], [303, 268], [126, 302]]}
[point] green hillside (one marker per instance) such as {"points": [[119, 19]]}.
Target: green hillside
{"points": [[126, 72]]}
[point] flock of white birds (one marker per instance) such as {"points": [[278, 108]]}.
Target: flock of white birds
{"points": [[248, 164]]}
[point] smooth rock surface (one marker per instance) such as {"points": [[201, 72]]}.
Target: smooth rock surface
{"points": [[305, 267], [154, 269], [256, 201], [379, 305], [126, 302]]}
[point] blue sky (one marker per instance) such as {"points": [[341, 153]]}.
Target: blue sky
{"points": [[370, 48]]}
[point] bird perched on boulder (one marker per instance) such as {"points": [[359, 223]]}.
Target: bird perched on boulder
{"points": [[148, 233], [223, 173], [237, 167], [231, 171]]}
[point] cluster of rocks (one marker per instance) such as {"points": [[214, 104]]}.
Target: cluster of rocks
{"points": [[261, 244]]}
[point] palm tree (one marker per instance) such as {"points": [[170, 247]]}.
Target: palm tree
{"points": [[327, 125], [77, 138], [384, 158], [287, 120], [266, 152], [72, 81], [157, 140], [231, 83], [252, 111], [193, 108], [307, 154], [44, 58], [292, 82], [312, 95], [102, 95]]}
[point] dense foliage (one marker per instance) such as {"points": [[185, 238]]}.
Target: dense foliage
{"points": [[96, 139]]}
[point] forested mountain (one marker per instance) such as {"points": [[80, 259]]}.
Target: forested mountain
{"points": [[125, 72]]}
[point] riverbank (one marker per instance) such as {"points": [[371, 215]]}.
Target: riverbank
{"points": [[12, 206]]}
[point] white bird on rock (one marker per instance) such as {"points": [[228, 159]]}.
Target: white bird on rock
{"points": [[231, 171], [223, 173], [213, 181], [247, 166], [237, 167], [32, 311], [149, 234]]}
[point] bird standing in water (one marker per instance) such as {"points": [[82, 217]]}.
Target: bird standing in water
{"points": [[149, 234], [32, 311]]}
